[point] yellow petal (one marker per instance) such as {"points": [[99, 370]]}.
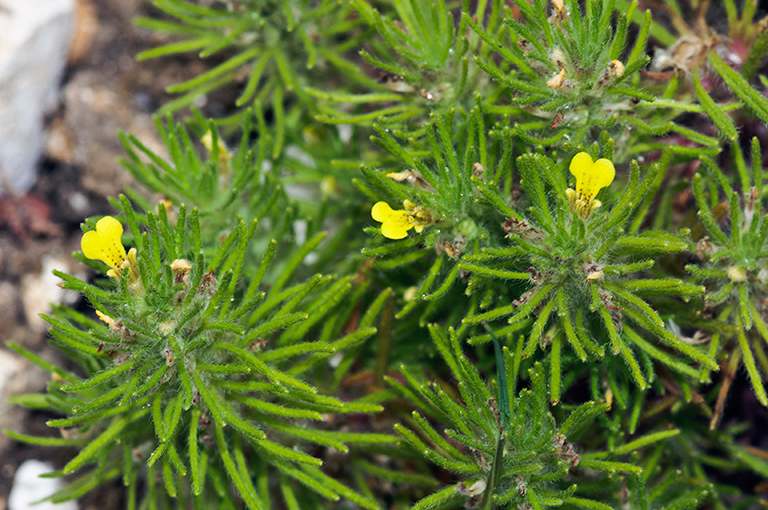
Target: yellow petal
{"points": [[105, 243], [591, 177], [91, 245], [603, 173], [395, 229], [394, 224], [581, 164], [381, 212], [109, 227]]}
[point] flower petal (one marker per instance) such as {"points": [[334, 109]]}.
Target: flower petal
{"points": [[580, 165], [394, 223], [109, 227], [92, 245], [381, 212], [603, 172], [105, 242], [396, 228], [591, 177]]}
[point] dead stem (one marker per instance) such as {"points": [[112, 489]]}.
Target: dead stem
{"points": [[728, 375]]}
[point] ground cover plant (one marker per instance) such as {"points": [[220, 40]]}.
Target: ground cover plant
{"points": [[469, 254]]}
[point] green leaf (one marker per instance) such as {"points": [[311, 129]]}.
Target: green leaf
{"points": [[582, 416], [587, 503], [287, 453], [103, 440], [45, 441], [718, 116], [243, 484], [743, 90], [645, 441], [494, 273], [521, 311], [450, 496], [749, 363], [609, 466]]}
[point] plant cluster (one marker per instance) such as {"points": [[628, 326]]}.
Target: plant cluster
{"points": [[440, 254]]}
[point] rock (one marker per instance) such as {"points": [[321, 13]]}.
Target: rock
{"points": [[59, 144], [9, 309], [12, 382], [86, 26], [10, 367], [38, 291], [34, 41], [95, 112], [28, 487]]}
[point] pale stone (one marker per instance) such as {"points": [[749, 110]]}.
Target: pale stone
{"points": [[14, 379], [39, 291], [10, 367], [34, 41], [28, 488], [94, 114]]}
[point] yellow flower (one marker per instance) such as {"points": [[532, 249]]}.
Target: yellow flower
{"points": [[104, 243], [396, 224], [591, 177]]}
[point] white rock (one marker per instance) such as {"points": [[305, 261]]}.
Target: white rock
{"points": [[34, 41], [28, 487]]}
